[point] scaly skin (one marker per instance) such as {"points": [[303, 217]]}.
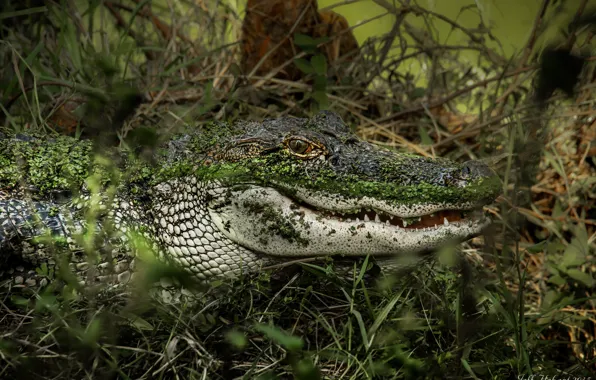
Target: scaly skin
{"points": [[231, 199]]}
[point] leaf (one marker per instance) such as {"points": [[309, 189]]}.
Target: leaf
{"points": [[20, 301], [320, 83], [549, 299], [142, 324], [307, 43], [304, 65], [573, 256], [383, 315], [581, 238], [554, 247], [536, 248], [306, 369], [46, 301], [557, 210], [424, 136], [363, 331], [321, 98], [319, 64], [557, 280], [92, 332], [236, 339], [42, 270], [580, 276], [304, 41], [290, 342]]}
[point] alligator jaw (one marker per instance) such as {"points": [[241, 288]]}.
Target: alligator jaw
{"points": [[428, 221], [269, 222]]}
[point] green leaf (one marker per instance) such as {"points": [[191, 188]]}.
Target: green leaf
{"points": [[536, 248], [46, 301], [304, 41], [319, 64], [305, 369], [557, 210], [42, 270], [424, 136], [573, 255], [581, 239], [580, 276], [362, 328], [142, 324], [320, 83], [383, 315], [549, 299], [321, 98], [554, 247], [304, 65], [92, 332], [557, 280], [236, 339], [289, 342], [20, 301]]}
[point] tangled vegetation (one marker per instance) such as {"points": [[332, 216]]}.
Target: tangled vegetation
{"points": [[517, 301]]}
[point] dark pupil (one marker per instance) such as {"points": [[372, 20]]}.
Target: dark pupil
{"points": [[299, 146]]}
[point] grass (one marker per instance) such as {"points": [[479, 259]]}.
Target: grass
{"points": [[516, 301]]}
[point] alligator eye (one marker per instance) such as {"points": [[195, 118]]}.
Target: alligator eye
{"points": [[304, 148], [301, 147]]}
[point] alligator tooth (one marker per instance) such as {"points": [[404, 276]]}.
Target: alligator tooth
{"points": [[377, 219], [366, 218], [404, 223], [357, 220], [445, 221], [387, 222], [348, 220]]}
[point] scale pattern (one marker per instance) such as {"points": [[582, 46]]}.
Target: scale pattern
{"points": [[189, 235], [177, 228]]}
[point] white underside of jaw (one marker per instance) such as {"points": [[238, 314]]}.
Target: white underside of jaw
{"points": [[324, 236]]}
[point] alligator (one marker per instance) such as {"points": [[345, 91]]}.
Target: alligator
{"points": [[231, 199]]}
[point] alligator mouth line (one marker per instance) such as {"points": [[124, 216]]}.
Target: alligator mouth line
{"points": [[435, 219], [368, 215]]}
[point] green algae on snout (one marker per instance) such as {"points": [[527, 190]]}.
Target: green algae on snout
{"points": [[291, 174]]}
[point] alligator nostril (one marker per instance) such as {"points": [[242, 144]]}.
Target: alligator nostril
{"points": [[334, 160], [465, 171], [476, 169]]}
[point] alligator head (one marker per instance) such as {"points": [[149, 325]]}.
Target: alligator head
{"points": [[289, 188]]}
